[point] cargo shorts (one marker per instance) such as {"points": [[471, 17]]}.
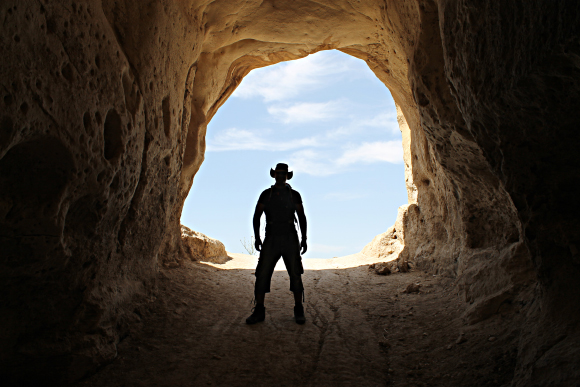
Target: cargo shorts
{"points": [[274, 247]]}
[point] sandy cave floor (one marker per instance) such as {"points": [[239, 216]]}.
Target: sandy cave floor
{"points": [[361, 330]]}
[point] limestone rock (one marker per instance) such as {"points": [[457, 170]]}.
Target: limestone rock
{"points": [[384, 245], [412, 288], [200, 247], [390, 243], [382, 268]]}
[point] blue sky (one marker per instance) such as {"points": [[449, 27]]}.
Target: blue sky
{"points": [[334, 123]]}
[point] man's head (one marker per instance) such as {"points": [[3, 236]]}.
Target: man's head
{"points": [[281, 173]]}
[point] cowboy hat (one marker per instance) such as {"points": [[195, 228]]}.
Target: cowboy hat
{"points": [[281, 167]]}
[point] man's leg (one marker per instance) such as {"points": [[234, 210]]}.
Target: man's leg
{"points": [[298, 298], [299, 308], [293, 262], [260, 298], [269, 256], [266, 264]]}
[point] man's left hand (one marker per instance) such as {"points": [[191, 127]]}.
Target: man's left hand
{"points": [[304, 246]]}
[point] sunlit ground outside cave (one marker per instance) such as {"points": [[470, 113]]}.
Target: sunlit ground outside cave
{"points": [[335, 123]]}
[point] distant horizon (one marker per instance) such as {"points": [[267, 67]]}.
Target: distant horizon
{"points": [[334, 123]]}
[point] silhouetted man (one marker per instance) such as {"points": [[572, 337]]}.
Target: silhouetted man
{"points": [[279, 202]]}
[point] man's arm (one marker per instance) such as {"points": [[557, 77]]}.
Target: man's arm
{"points": [[256, 222], [302, 221]]}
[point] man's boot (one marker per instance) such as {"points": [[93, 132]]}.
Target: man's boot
{"points": [[258, 315], [299, 314]]}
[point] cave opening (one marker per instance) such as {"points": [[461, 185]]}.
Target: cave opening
{"points": [[335, 123]]}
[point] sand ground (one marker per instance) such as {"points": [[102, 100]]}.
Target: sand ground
{"points": [[362, 329]]}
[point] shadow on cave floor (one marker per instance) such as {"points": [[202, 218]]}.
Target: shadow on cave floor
{"points": [[361, 330]]}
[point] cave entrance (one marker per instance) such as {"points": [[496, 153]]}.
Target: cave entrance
{"points": [[335, 123]]}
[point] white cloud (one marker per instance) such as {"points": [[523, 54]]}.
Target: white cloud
{"points": [[382, 120], [371, 152], [344, 196], [240, 139], [289, 79], [318, 163], [313, 163], [306, 111]]}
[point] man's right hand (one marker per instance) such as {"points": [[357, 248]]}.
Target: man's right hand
{"points": [[258, 244], [304, 246]]}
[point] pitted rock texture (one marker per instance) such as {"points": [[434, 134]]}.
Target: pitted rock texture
{"points": [[390, 245], [105, 106], [385, 245], [200, 247]]}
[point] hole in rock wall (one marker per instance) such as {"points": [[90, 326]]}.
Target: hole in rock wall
{"points": [[113, 135], [33, 177], [6, 131], [334, 123]]}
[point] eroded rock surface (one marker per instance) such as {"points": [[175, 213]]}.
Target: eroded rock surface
{"points": [[200, 247], [384, 245], [391, 244], [105, 106]]}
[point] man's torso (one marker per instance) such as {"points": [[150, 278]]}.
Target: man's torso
{"points": [[280, 205]]}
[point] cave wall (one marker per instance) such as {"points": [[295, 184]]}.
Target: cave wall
{"points": [[515, 79], [91, 149], [105, 106]]}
